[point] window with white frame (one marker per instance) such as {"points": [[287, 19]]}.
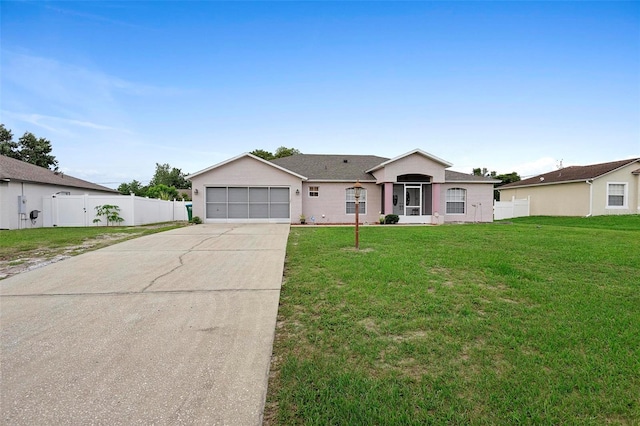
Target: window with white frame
{"points": [[617, 195], [314, 191], [456, 199], [351, 201]]}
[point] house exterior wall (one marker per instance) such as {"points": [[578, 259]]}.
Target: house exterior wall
{"points": [[246, 171], [623, 175], [330, 204], [34, 193], [567, 199], [573, 199], [411, 164], [478, 207]]}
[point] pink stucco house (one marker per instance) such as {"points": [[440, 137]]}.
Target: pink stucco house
{"points": [[416, 186]]}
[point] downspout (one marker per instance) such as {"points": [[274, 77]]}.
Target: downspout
{"points": [[590, 183]]}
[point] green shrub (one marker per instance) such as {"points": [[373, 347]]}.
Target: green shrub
{"points": [[391, 218], [110, 212], [196, 220]]}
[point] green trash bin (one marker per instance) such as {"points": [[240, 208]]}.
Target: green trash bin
{"points": [[189, 211]]}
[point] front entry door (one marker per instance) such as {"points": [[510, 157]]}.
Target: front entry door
{"points": [[413, 200]]}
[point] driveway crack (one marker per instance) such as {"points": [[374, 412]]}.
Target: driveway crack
{"points": [[180, 258]]}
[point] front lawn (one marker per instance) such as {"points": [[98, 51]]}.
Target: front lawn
{"points": [[533, 321]]}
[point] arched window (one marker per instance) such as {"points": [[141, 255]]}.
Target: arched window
{"points": [[456, 200]]}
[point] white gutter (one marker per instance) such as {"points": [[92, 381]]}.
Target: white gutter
{"points": [[590, 183]]}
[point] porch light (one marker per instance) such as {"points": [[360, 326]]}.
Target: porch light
{"points": [[357, 188]]}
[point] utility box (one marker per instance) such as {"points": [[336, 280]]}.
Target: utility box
{"points": [[22, 204]]}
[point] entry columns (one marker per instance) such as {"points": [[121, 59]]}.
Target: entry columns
{"points": [[435, 198], [388, 198]]}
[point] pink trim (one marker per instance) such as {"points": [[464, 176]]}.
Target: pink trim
{"points": [[388, 197], [435, 198]]}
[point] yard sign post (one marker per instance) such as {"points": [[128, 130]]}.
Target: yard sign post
{"points": [[356, 192]]}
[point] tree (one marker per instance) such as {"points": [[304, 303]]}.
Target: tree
{"points": [[28, 149], [282, 151], [286, 152], [265, 155], [508, 178], [483, 172], [166, 175], [110, 212], [134, 187], [7, 146], [505, 178], [163, 192]]}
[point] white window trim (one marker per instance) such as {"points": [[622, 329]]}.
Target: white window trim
{"points": [[450, 201], [625, 200], [309, 191], [363, 200]]}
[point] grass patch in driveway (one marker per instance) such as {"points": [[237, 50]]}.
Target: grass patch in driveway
{"points": [[531, 322]]}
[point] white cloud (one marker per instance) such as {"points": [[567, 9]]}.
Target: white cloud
{"points": [[47, 87], [58, 124]]}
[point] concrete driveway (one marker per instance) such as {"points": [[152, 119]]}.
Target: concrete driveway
{"points": [[172, 328]]}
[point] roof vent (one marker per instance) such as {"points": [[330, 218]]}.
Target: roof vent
{"points": [[345, 161]]}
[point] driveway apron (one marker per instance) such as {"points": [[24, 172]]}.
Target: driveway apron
{"points": [[172, 328]]}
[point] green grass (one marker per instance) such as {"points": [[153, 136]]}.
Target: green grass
{"points": [[536, 321], [27, 242]]}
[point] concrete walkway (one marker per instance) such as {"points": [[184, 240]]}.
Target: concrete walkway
{"points": [[172, 328]]}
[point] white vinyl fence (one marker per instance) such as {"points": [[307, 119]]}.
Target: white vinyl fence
{"points": [[80, 210], [510, 209]]}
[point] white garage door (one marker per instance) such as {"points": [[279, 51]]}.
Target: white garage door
{"points": [[248, 203]]}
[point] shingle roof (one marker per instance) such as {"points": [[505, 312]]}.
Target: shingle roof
{"points": [[451, 176], [572, 174], [351, 168], [13, 169], [331, 167]]}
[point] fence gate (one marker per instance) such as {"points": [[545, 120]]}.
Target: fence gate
{"points": [[71, 211]]}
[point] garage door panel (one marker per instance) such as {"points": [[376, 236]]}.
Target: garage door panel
{"points": [[217, 195], [280, 211], [247, 203], [279, 195], [239, 211], [258, 195], [216, 210], [259, 211], [238, 195]]}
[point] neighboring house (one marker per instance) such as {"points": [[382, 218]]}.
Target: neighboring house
{"points": [[416, 186], [23, 186], [594, 190]]}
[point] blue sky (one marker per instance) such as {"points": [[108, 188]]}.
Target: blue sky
{"points": [[511, 86]]}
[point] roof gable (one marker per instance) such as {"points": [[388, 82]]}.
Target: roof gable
{"points": [[415, 151], [573, 174], [249, 155], [13, 169]]}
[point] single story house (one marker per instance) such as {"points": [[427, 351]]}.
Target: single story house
{"points": [[23, 186], [593, 190], [416, 186]]}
